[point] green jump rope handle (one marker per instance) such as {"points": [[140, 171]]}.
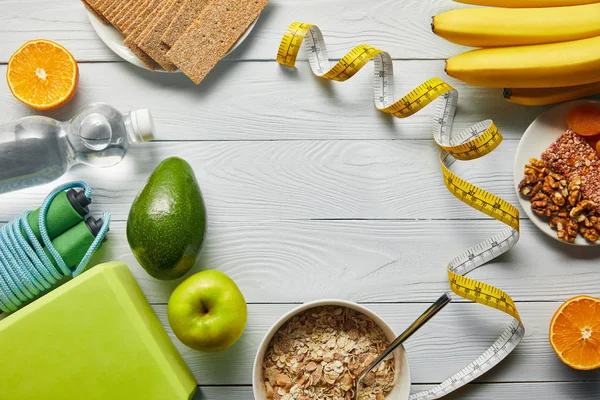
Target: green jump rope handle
{"points": [[66, 210], [74, 243]]}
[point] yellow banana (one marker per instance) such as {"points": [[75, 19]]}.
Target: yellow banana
{"points": [[527, 3], [496, 27], [545, 96], [535, 66]]}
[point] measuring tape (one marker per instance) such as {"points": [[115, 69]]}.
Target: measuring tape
{"points": [[474, 142]]}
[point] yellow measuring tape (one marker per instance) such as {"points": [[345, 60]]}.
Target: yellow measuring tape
{"points": [[474, 142]]}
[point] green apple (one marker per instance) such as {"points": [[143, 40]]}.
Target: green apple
{"points": [[207, 311]]}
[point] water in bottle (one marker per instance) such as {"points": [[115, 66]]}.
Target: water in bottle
{"points": [[37, 150]]}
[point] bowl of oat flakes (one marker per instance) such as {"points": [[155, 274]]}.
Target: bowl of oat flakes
{"points": [[319, 349]]}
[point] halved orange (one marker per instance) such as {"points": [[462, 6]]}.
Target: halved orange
{"points": [[42, 74], [575, 333]]}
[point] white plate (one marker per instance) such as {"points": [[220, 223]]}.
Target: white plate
{"points": [[538, 137], [114, 40]]}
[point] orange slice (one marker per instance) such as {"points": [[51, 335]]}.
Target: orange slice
{"points": [[575, 333], [42, 74]]}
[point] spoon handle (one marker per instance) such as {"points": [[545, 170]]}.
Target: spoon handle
{"points": [[426, 316]]}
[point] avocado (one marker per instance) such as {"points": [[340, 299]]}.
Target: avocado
{"points": [[167, 221]]}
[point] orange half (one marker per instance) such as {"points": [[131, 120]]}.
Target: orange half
{"points": [[575, 333], [42, 74]]}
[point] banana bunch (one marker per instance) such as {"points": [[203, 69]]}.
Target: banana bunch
{"points": [[540, 51]]}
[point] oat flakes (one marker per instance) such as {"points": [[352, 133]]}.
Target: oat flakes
{"points": [[319, 353]]}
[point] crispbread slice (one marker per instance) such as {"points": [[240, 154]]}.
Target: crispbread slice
{"points": [[103, 6], [107, 5], [131, 7], [145, 19], [95, 12], [188, 13], [134, 17], [118, 14], [151, 43], [211, 36], [145, 58], [148, 15], [117, 9]]}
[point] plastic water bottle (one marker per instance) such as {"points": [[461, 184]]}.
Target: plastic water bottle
{"points": [[37, 150]]}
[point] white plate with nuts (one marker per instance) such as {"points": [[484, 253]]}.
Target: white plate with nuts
{"points": [[538, 137], [316, 350]]}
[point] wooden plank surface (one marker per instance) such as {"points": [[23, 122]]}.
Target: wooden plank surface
{"points": [[313, 193], [376, 261], [317, 179], [265, 101]]}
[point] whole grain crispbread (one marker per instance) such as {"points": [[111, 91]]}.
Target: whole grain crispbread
{"points": [[119, 8], [211, 36], [150, 13], [103, 6], [93, 10], [186, 16], [119, 14], [151, 43], [132, 20], [146, 19]]}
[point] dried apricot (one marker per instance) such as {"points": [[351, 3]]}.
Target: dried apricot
{"points": [[584, 119]]}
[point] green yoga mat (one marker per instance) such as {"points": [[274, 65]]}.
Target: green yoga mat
{"points": [[95, 337]]}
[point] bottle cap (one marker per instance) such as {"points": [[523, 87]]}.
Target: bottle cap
{"points": [[142, 124]]}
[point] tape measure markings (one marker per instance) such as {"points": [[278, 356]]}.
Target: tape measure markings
{"points": [[474, 142]]}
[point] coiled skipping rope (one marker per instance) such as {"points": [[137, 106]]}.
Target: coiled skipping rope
{"points": [[25, 269]]}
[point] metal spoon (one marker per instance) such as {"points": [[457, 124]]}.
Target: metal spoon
{"points": [[419, 322]]}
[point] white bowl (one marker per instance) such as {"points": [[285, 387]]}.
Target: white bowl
{"points": [[542, 132], [114, 40], [401, 390]]}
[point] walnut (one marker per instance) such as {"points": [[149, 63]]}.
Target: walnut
{"points": [[553, 182], [530, 185], [558, 198], [533, 182], [574, 189], [582, 209], [590, 234], [537, 168], [555, 186], [541, 204], [595, 222], [567, 228]]}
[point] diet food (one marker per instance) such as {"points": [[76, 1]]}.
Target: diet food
{"points": [[319, 354], [575, 333], [42, 74], [190, 35], [541, 51], [564, 185]]}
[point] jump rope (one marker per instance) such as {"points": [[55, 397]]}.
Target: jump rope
{"points": [[41, 249]]}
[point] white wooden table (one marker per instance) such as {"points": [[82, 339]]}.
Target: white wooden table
{"points": [[313, 193]]}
